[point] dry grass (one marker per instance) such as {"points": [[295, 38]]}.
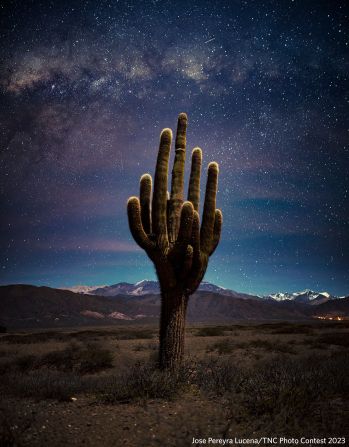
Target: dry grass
{"points": [[228, 346], [144, 381], [83, 336], [211, 331], [82, 359], [334, 338]]}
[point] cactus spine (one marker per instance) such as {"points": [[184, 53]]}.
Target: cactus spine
{"points": [[168, 229]]}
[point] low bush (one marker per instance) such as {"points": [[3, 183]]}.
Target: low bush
{"points": [[136, 334], [287, 393], [38, 337], [294, 329], [211, 331], [335, 338], [84, 360], [228, 346], [216, 376], [84, 336], [343, 324], [145, 347], [75, 358], [271, 346], [145, 381], [225, 346], [44, 384]]}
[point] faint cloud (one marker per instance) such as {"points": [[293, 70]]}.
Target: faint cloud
{"points": [[87, 245]]}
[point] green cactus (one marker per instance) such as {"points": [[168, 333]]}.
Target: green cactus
{"points": [[168, 229]]}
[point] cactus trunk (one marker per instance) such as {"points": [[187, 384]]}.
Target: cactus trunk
{"points": [[172, 329]]}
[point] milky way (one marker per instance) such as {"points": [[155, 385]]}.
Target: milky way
{"points": [[86, 88]]}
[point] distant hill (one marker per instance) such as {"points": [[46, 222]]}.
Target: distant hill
{"points": [[333, 308], [28, 306]]}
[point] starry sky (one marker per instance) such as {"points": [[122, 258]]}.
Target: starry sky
{"points": [[87, 86]]}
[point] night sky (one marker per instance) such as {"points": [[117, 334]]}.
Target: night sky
{"points": [[86, 88]]}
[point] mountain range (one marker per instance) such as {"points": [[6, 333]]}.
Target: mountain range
{"points": [[146, 287], [143, 287], [27, 306]]}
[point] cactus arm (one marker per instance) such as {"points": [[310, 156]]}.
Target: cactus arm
{"points": [[144, 197], [217, 228], [185, 228], [159, 204], [195, 236], [135, 223], [197, 262], [181, 134], [177, 184], [178, 253], [208, 217], [194, 181]]}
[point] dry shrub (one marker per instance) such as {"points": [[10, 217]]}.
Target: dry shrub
{"points": [[334, 338], [135, 334], [85, 359], [45, 384], [225, 346], [144, 381], [145, 347], [228, 346], [294, 329], [39, 337], [211, 331], [280, 392]]}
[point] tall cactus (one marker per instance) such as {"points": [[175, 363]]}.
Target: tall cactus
{"points": [[168, 229]]}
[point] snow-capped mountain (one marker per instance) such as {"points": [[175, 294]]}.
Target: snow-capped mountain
{"points": [[86, 290], [143, 287], [306, 297], [140, 288], [209, 287]]}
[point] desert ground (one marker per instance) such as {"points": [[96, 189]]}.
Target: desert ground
{"points": [[100, 387]]}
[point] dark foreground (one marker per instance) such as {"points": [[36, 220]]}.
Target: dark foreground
{"points": [[99, 387]]}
